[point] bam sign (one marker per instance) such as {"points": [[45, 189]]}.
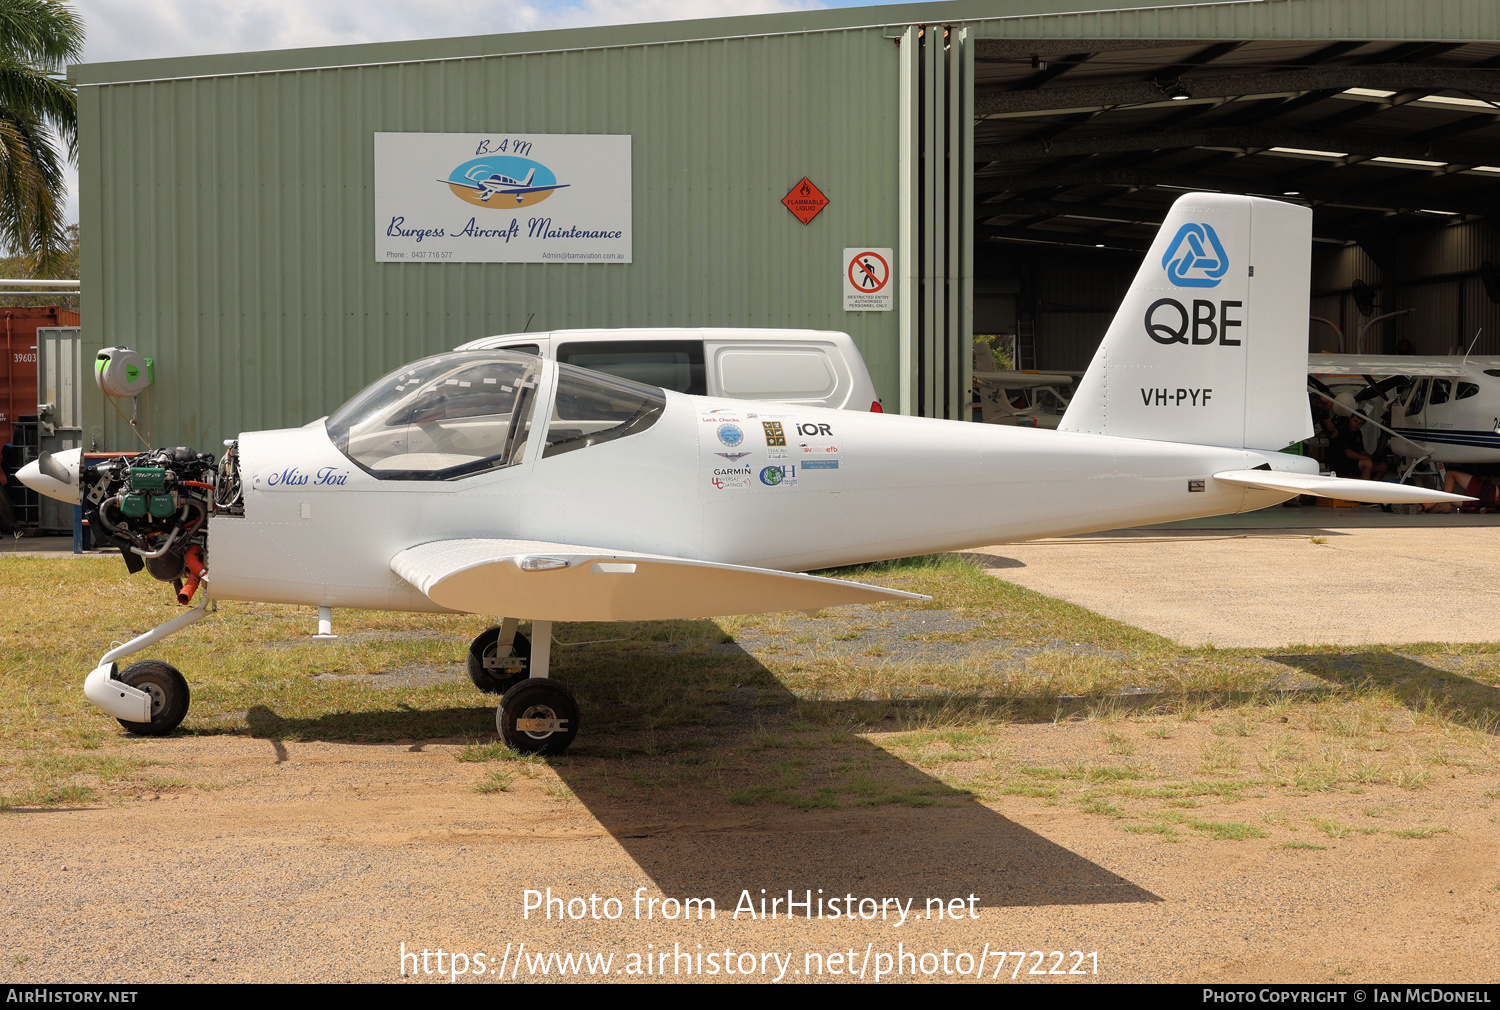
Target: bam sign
{"points": [[502, 198]]}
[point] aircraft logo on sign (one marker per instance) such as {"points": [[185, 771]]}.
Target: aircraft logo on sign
{"points": [[1195, 258], [503, 182]]}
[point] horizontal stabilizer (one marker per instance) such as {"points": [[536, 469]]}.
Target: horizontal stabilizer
{"points": [[1335, 487], [563, 582]]}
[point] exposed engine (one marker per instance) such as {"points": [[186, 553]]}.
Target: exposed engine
{"points": [[154, 507]]}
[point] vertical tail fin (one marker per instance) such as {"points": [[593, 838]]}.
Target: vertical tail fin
{"points": [[1210, 344]]}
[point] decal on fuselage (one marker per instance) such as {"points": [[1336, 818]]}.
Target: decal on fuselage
{"points": [[778, 476], [1164, 397], [1168, 321], [1195, 257], [292, 476]]}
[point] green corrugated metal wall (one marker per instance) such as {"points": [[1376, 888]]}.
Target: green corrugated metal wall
{"points": [[227, 215], [228, 221]]}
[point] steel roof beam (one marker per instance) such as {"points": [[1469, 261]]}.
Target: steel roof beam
{"points": [[1255, 139], [1327, 53], [1466, 125], [1411, 200], [990, 233], [1386, 77], [1010, 50], [1364, 110], [1199, 59], [1270, 108], [1052, 71], [1080, 211]]}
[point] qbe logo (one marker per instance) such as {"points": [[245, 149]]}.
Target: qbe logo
{"points": [[1168, 321], [1195, 258]]}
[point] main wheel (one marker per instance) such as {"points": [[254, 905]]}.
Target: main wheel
{"points": [[493, 673], [169, 696], [537, 716]]}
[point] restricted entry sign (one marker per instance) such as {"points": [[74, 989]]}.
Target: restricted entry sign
{"points": [[867, 280]]}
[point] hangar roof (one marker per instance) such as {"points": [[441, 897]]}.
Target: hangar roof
{"points": [[1033, 19]]}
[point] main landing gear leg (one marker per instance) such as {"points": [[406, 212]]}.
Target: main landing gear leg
{"points": [[538, 715], [498, 658], [150, 697]]}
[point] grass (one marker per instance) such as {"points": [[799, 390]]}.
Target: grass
{"points": [[496, 782], [1219, 758], [1231, 831], [925, 718], [496, 751], [1331, 828], [1418, 832]]}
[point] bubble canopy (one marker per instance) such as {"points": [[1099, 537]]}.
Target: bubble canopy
{"points": [[466, 412]]}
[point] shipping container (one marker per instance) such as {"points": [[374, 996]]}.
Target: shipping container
{"points": [[18, 326]]}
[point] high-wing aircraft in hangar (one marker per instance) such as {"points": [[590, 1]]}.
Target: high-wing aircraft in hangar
{"points": [[499, 483], [1448, 407]]}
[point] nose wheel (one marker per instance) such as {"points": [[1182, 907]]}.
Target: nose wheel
{"points": [[169, 696]]}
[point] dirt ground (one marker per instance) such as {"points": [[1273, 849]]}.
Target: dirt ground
{"points": [[317, 861], [265, 857]]}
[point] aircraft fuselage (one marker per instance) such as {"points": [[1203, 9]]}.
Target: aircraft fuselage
{"points": [[707, 481]]}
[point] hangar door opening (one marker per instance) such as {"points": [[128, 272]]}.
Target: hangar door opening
{"points": [[1081, 145], [936, 262]]}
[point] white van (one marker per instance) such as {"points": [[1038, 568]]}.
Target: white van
{"points": [[818, 367]]}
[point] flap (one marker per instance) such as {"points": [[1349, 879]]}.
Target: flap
{"points": [[1334, 487], [564, 582]]}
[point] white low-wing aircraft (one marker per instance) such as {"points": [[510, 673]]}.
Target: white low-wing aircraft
{"points": [[487, 184], [1449, 412], [498, 483]]}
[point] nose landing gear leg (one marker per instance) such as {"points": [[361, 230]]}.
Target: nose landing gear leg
{"points": [[150, 698]]}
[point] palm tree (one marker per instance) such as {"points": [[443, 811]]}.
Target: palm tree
{"points": [[38, 110]]}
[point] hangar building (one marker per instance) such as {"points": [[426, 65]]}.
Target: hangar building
{"points": [[1014, 158]]}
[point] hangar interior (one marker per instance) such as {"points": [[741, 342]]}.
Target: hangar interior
{"points": [[1081, 145]]}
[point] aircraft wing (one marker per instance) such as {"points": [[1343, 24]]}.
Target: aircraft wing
{"points": [[565, 582], [1024, 380], [1335, 487], [1383, 364]]}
